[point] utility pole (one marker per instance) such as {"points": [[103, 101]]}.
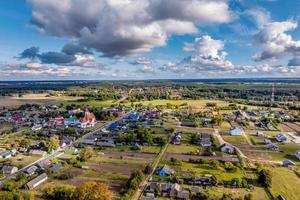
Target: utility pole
{"points": [[273, 93]]}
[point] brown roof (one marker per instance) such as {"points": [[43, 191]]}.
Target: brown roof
{"points": [[88, 118]]}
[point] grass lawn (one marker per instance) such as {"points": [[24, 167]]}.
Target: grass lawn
{"points": [[92, 103], [235, 139], [285, 182], [217, 192], [183, 148], [203, 169]]}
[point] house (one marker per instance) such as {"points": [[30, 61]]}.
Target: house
{"points": [[22, 149], [165, 171], [203, 180], [175, 189], [282, 138], [6, 154], [236, 131], [72, 151], [31, 170], [297, 154], [113, 126], [57, 121], [205, 140], [66, 141], [176, 139], [196, 190], [267, 141], [56, 167], [88, 120], [260, 134], [288, 163], [36, 181], [133, 117], [37, 152], [183, 194], [227, 148], [9, 169], [44, 164], [272, 147], [71, 121]]}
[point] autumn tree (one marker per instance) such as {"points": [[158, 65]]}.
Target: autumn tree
{"points": [[92, 191], [86, 154], [53, 143]]}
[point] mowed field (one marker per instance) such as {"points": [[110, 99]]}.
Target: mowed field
{"points": [[39, 98], [285, 182], [93, 103]]}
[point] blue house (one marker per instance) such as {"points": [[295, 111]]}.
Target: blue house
{"points": [[165, 171], [113, 126], [133, 117]]}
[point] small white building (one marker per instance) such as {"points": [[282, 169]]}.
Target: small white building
{"points": [[227, 148], [236, 131], [282, 138]]}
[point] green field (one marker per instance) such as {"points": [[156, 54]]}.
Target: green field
{"points": [[285, 182], [92, 103], [235, 139], [217, 192], [183, 148], [203, 169]]}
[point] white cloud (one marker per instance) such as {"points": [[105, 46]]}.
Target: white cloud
{"points": [[146, 70], [259, 15], [276, 42], [207, 54], [125, 27]]}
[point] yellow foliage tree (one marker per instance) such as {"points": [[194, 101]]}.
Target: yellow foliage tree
{"points": [[92, 191]]}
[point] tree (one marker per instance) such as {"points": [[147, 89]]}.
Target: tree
{"points": [[25, 143], [86, 154], [214, 180], [59, 193], [53, 143], [148, 169], [249, 197], [265, 177], [92, 190]]}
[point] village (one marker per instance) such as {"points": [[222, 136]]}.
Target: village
{"points": [[186, 153]]}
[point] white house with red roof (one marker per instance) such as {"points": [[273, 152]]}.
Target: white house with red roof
{"points": [[88, 120]]}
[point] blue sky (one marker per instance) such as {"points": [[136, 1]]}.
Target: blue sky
{"points": [[146, 39]]}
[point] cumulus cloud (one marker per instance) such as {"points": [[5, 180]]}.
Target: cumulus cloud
{"points": [[141, 61], [260, 16], [72, 49], [34, 69], [30, 53], [276, 42], [71, 55], [207, 54], [146, 70], [294, 62], [125, 27]]}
